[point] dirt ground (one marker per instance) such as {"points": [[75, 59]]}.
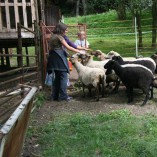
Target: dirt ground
{"points": [[110, 102]]}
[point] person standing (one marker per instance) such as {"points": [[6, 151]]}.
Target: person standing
{"points": [[81, 41], [58, 63]]}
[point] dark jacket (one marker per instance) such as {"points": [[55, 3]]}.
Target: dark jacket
{"points": [[57, 60]]}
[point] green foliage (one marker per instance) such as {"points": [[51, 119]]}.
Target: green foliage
{"points": [[40, 99], [118, 133]]}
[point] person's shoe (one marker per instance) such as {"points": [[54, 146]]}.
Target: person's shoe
{"points": [[69, 98], [49, 98], [55, 99]]}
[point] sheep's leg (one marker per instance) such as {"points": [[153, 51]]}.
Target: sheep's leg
{"points": [[90, 93], [97, 92], [103, 88], [83, 88], [146, 98], [115, 90], [128, 94], [131, 94], [151, 92]]}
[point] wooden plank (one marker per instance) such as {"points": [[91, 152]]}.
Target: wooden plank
{"points": [[7, 15], [33, 11], [16, 12], [1, 19], [24, 13], [36, 10]]}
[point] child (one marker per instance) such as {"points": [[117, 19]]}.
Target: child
{"points": [[82, 40]]}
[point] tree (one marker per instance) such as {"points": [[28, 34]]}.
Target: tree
{"points": [[121, 8], [154, 23], [79, 4], [136, 7]]}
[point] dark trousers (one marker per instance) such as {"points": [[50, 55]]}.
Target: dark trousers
{"points": [[59, 86]]}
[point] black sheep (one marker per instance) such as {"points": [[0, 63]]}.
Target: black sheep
{"points": [[147, 62], [154, 57], [133, 76]]}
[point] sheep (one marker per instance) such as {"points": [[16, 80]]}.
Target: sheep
{"points": [[102, 56], [134, 76], [98, 53], [88, 61], [154, 57], [147, 62], [114, 53], [90, 77]]}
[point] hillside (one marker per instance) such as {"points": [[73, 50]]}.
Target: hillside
{"points": [[106, 32]]}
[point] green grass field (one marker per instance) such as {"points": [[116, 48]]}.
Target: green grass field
{"points": [[114, 134]]}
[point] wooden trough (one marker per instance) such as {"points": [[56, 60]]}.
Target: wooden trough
{"points": [[12, 132]]}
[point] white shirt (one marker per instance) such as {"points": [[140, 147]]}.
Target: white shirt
{"points": [[81, 43]]}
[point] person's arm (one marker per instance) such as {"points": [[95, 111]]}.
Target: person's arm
{"points": [[82, 48], [64, 43], [70, 43]]}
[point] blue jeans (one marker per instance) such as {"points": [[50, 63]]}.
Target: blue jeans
{"points": [[59, 86]]}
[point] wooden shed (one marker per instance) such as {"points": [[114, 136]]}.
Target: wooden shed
{"points": [[13, 12]]}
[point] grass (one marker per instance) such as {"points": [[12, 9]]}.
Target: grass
{"points": [[105, 32], [118, 133]]}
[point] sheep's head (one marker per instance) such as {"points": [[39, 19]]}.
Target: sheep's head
{"points": [[74, 57], [84, 58], [96, 53], [117, 58], [112, 53], [109, 66], [154, 57]]}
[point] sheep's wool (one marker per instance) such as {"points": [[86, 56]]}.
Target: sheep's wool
{"points": [[87, 75], [136, 65], [147, 58]]}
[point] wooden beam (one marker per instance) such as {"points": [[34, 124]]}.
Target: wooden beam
{"points": [[7, 15], [33, 11], [1, 19], [24, 13], [16, 12]]}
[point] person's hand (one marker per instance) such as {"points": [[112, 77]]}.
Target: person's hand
{"points": [[82, 52], [87, 49]]}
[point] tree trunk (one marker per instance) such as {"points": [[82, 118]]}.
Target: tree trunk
{"points": [[84, 7], [121, 11], [77, 7], [138, 16], [154, 23]]}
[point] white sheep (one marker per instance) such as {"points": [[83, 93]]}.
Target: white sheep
{"points": [[102, 56], [90, 77], [88, 61], [114, 53]]}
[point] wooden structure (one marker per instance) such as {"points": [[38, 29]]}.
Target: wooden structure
{"points": [[18, 31], [27, 13], [13, 12], [12, 132]]}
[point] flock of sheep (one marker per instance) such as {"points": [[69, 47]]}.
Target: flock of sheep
{"points": [[111, 67]]}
